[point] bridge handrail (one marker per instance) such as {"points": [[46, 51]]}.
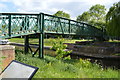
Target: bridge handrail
{"points": [[37, 22]]}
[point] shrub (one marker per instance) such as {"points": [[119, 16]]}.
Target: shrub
{"points": [[59, 47]]}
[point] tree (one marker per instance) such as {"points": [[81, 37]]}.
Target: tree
{"points": [[62, 14], [84, 17], [113, 20], [95, 16]]}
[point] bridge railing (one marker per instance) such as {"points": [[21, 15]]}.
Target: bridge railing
{"points": [[16, 24], [4, 32], [54, 24], [23, 24]]}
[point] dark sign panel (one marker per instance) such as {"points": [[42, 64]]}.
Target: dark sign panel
{"points": [[18, 70]]}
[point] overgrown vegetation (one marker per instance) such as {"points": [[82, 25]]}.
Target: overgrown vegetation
{"points": [[50, 67], [59, 47]]}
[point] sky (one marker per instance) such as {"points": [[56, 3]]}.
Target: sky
{"points": [[73, 7]]}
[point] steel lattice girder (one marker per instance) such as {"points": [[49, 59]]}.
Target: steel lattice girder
{"points": [[16, 24]]}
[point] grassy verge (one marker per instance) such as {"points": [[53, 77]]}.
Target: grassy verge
{"points": [[114, 41], [47, 42], [50, 67]]}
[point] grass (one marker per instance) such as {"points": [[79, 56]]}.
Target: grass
{"points": [[117, 54], [47, 42], [50, 67], [114, 41]]}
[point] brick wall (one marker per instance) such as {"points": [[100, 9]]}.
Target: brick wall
{"points": [[8, 54]]}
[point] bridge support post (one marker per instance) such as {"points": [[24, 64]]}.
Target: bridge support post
{"points": [[9, 27], [26, 45], [41, 35], [41, 46]]}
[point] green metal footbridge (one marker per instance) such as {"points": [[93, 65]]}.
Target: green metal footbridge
{"points": [[18, 24]]}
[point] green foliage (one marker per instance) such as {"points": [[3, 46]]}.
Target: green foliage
{"points": [[62, 14], [113, 20], [1, 58], [84, 17], [58, 43], [50, 67], [95, 16], [60, 48], [85, 63]]}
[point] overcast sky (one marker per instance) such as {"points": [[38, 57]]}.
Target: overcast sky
{"points": [[73, 7]]}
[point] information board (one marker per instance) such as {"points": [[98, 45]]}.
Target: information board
{"points": [[18, 70]]}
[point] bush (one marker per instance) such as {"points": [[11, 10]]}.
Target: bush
{"points": [[59, 47]]}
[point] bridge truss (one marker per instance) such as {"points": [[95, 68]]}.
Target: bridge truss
{"points": [[17, 24]]}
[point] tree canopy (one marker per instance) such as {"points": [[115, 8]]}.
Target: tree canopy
{"points": [[84, 17], [95, 16], [62, 14], [113, 20]]}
